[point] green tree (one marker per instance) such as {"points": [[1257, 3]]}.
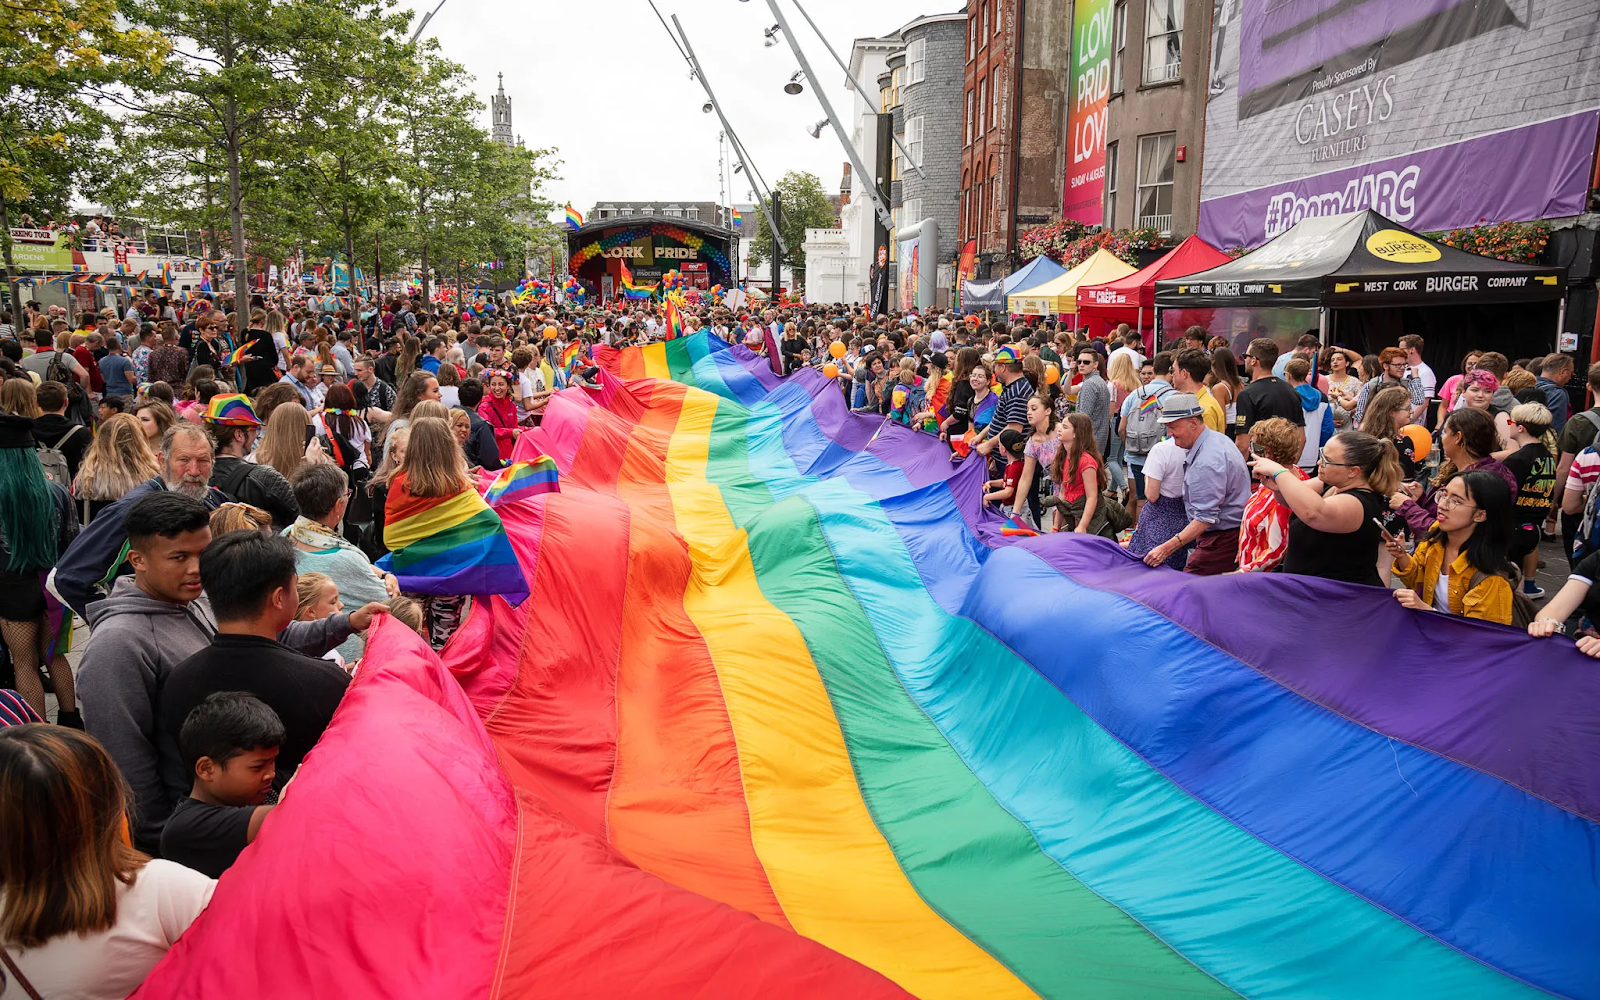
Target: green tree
{"points": [[224, 112], [802, 205], [347, 129], [469, 199], [49, 51]]}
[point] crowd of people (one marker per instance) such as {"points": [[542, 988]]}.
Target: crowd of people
{"points": [[212, 504]]}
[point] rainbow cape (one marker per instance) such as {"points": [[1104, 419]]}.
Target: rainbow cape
{"points": [[983, 413], [788, 716], [520, 480], [451, 545]]}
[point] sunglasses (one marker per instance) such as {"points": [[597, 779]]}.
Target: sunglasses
{"points": [[1322, 459], [1086, 361]]}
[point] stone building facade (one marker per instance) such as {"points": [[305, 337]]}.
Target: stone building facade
{"points": [[928, 120]]}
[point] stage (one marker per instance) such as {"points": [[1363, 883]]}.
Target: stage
{"points": [[650, 245]]}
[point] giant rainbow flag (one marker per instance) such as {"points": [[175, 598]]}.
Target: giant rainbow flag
{"points": [[788, 715]]}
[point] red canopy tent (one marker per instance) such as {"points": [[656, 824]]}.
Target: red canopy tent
{"points": [[1130, 299]]}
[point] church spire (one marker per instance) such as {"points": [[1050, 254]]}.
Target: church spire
{"points": [[500, 114]]}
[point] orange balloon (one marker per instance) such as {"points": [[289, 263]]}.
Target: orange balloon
{"points": [[550, 333], [1421, 440], [836, 348], [831, 370], [1052, 374]]}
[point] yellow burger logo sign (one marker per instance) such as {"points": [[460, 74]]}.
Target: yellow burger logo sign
{"points": [[1402, 248]]}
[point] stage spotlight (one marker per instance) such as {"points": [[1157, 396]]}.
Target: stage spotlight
{"points": [[793, 86], [707, 107], [738, 168], [816, 130], [771, 36]]}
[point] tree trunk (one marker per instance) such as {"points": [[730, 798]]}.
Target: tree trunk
{"points": [[241, 269], [422, 232], [350, 260], [11, 271]]}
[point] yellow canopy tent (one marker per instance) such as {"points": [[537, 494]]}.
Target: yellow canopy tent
{"points": [[1060, 294]]}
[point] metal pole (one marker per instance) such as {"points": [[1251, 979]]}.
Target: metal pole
{"points": [[777, 258], [424, 23], [854, 83], [827, 109], [1322, 325], [681, 39], [1561, 321]]}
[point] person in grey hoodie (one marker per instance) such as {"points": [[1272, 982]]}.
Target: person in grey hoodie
{"points": [[95, 557], [151, 622]]}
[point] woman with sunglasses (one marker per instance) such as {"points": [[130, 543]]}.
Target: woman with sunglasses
{"points": [[1460, 566], [1334, 533]]}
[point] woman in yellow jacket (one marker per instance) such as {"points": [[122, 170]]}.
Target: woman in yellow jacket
{"points": [[1460, 565]]}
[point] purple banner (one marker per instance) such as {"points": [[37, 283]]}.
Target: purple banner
{"points": [[1535, 172], [1292, 48]]}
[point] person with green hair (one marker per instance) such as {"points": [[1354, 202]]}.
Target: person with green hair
{"points": [[37, 522]]}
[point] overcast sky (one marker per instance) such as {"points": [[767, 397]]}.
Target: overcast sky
{"points": [[619, 104]]}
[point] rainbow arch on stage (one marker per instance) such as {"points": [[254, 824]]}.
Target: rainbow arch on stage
{"points": [[785, 715]]}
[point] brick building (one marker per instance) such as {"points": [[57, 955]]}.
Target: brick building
{"points": [[1013, 123]]}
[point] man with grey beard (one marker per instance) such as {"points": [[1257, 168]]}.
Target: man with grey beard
{"points": [[98, 556]]}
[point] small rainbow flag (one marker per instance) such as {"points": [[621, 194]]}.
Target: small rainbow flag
{"points": [[674, 321], [450, 545], [1015, 527], [240, 353], [570, 356], [738, 220], [1151, 403], [524, 479], [574, 217]]}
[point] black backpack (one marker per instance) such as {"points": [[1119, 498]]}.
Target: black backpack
{"points": [[57, 371]]}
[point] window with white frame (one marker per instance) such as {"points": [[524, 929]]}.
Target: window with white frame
{"points": [[985, 32], [997, 17], [1119, 45], [691, 213], [1110, 219], [1163, 41], [916, 61], [914, 140], [1157, 164], [912, 213], [994, 101], [983, 105], [968, 135], [972, 38]]}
